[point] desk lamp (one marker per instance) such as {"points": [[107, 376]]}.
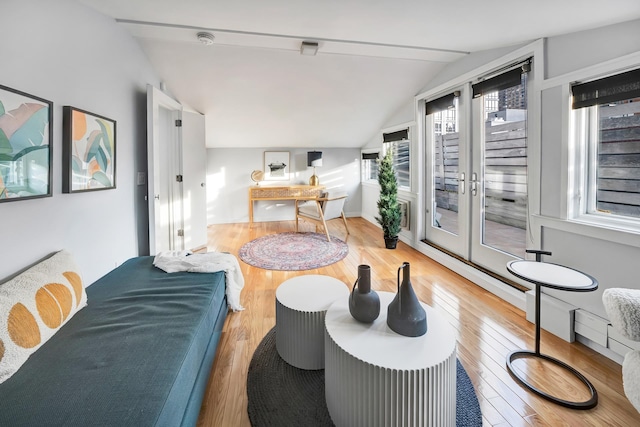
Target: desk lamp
{"points": [[314, 159]]}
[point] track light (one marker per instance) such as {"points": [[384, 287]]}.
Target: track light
{"points": [[309, 48]]}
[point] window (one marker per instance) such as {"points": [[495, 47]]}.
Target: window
{"points": [[606, 114], [369, 166], [399, 144]]}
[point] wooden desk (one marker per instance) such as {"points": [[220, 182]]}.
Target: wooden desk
{"points": [[289, 192]]}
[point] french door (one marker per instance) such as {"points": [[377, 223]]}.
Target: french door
{"points": [[476, 152]]}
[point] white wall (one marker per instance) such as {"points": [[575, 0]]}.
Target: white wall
{"points": [[71, 55], [228, 181], [575, 51]]}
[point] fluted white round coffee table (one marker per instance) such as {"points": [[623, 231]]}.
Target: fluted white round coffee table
{"points": [[376, 377], [301, 304]]}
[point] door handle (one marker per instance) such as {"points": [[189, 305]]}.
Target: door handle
{"points": [[474, 184], [462, 184]]}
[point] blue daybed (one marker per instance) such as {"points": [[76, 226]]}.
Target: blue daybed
{"points": [[139, 354]]}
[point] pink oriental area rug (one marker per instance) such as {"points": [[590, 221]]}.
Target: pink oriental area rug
{"points": [[293, 251]]}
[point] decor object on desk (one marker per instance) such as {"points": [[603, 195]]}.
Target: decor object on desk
{"points": [[257, 176], [276, 165], [314, 160], [623, 308], [293, 251], [405, 315], [26, 136], [281, 395], [88, 151], [364, 304], [388, 207]]}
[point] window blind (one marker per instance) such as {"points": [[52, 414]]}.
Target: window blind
{"points": [[512, 77], [370, 156], [440, 104], [503, 81], [609, 89], [396, 136]]}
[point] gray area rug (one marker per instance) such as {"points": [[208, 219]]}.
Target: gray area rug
{"points": [[281, 395]]}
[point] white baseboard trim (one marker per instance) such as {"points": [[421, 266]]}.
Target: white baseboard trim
{"points": [[600, 349]]}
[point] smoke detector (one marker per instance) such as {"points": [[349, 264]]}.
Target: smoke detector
{"points": [[205, 38]]}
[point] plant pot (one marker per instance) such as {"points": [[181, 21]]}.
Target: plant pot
{"points": [[391, 242]]}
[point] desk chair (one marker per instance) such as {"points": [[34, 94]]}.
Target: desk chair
{"points": [[323, 209]]}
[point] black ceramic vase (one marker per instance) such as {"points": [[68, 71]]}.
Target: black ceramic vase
{"points": [[405, 315], [364, 304]]}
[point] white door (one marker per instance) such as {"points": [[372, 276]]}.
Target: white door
{"points": [[447, 148], [476, 151], [194, 167], [499, 176], [166, 228]]}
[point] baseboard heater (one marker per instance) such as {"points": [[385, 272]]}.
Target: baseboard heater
{"points": [[556, 316]]}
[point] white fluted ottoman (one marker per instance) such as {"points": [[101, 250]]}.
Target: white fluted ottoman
{"points": [[376, 377], [301, 304]]}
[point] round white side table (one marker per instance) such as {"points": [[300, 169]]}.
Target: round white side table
{"points": [[301, 304], [376, 377], [563, 278]]}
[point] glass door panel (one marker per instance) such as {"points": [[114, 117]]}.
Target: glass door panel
{"points": [[499, 178], [504, 220], [447, 157], [446, 171]]}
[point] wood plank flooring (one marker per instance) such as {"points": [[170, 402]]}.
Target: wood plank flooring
{"points": [[487, 330]]}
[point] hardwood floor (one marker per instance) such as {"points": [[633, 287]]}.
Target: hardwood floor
{"points": [[487, 330]]}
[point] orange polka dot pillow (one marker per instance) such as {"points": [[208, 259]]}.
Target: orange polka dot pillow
{"points": [[34, 305]]}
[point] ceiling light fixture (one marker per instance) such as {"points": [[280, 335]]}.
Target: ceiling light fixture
{"points": [[308, 48], [205, 38]]}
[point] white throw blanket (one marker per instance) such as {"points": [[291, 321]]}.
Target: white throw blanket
{"points": [[210, 262]]}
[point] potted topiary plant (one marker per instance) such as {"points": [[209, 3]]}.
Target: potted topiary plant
{"points": [[388, 207]]}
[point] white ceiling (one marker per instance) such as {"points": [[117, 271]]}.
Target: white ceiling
{"points": [[256, 90]]}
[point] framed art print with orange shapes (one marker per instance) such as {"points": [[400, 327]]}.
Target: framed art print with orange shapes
{"points": [[88, 151]]}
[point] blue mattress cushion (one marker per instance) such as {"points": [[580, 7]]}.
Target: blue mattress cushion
{"points": [[130, 358]]}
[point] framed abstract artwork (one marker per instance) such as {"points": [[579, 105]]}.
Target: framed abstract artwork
{"points": [[88, 151], [276, 165], [26, 136]]}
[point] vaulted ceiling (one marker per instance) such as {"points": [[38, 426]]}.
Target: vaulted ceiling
{"points": [[257, 90]]}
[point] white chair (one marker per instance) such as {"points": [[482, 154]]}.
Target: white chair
{"points": [[623, 308], [323, 209]]}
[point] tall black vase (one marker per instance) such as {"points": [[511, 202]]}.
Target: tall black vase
{"points": [[364, 304], [405, 314]]}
